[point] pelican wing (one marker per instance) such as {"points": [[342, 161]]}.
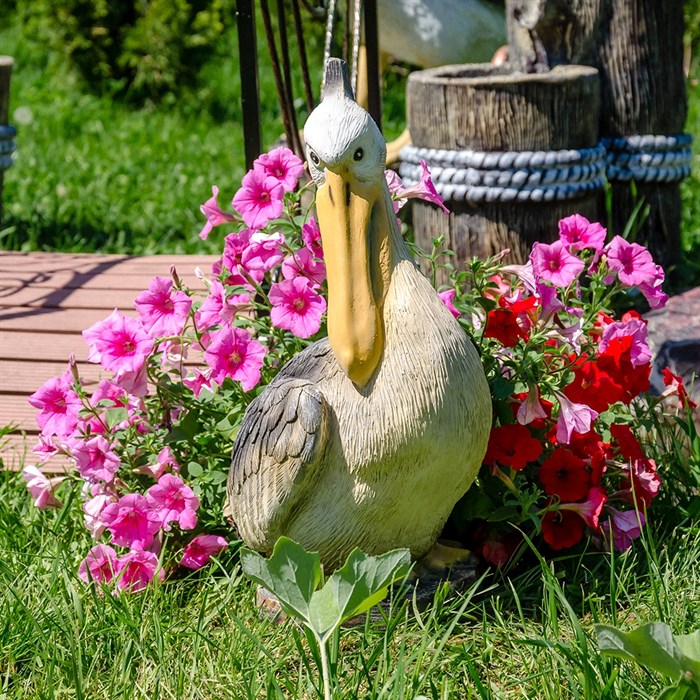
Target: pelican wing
{"points": [[279, 450]]}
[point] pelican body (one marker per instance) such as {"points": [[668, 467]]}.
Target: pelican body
{"points": [[369, 437]]}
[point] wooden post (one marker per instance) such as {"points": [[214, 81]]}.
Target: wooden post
{"points": [[6, 63], [637, 46], [481, 107]]}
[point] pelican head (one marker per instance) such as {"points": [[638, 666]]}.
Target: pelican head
{"points": [[347, 154]]}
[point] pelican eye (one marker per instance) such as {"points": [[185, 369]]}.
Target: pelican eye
{"points": [[358, 155], [314, 158]]}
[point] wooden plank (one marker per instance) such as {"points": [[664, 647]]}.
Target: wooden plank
{"points": [[22, 318], [15, 410], [44, 298], [33, 345], [21, 376]]}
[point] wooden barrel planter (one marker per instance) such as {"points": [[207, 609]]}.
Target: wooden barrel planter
{"points": [[637, 46], [511, 153]]}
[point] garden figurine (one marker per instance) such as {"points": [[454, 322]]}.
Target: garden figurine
{"points": [[369, 437]]}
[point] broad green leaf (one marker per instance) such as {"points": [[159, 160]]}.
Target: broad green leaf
{"points": [[683, 690], [689, 644], [363, 581], [651, 645], [115, 416], [291, 574]]}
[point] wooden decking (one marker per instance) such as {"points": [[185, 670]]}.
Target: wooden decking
{"points": [[46, 300]]}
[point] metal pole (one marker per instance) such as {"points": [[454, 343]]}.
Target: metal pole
{"points": [[374, 101], [248, 66]]}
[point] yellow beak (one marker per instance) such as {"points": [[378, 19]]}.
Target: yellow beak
{"points": [[354, 250]]}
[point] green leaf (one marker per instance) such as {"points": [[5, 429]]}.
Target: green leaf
{"points": [[194, 469], [115, 416], [362, 582], [291, 573], [683, 690], [653, 645]]}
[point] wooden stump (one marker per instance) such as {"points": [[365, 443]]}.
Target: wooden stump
{"points": [[637, 46], [481, 107], [6, 63]]}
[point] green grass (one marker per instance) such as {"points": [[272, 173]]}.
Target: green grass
{"points": [[92, 174], [202, 637]]}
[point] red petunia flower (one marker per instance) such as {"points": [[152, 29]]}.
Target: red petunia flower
{"points": [[627, 443], [676, 386], [562, 528], [565, 475], [502, 324], [594, 387], [512, 446], [616, 362]]}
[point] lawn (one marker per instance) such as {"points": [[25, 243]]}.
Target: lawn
{"points": [[92, 174], [528, 635]]}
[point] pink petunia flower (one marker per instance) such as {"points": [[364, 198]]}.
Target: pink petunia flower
{"points": [[232, 352], [163, 311], [41, 487], [573, 417], [305, 264], [137, 569], [215, 215], [447, 298], [281, 164], [591, 508], [262, 254], [45, 448], [95, 459], [201, 549], [296, 307], [625, 526], [553, 263], [121, 343], [59, 406], [220, 307], [198, 380], [424, 189], [134, 382], [531, 409], [100, 564], [174, 502], [652, 291], [131, 521], [632, 262], [259, 200], [234, 245], [635, 328], [311, 235], [165, 462], [578, 233], [92, 514]]}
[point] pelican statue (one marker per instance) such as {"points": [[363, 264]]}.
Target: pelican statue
{"points": [[369, 437]]}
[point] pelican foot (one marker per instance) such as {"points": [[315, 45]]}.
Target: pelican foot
{"points": [[445, 558]]}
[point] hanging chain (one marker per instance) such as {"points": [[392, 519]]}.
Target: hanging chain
{"points": [[330, 24], [356, 31]]}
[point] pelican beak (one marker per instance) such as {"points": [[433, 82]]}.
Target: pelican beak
{"points": [[355, 246]]}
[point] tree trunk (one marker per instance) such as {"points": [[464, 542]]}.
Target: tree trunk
{"points": [[637, 46], [484, 108]]}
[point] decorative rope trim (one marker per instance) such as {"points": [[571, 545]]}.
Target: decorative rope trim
{"points": [[542, 176], [501, 160], [7, 145]]}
